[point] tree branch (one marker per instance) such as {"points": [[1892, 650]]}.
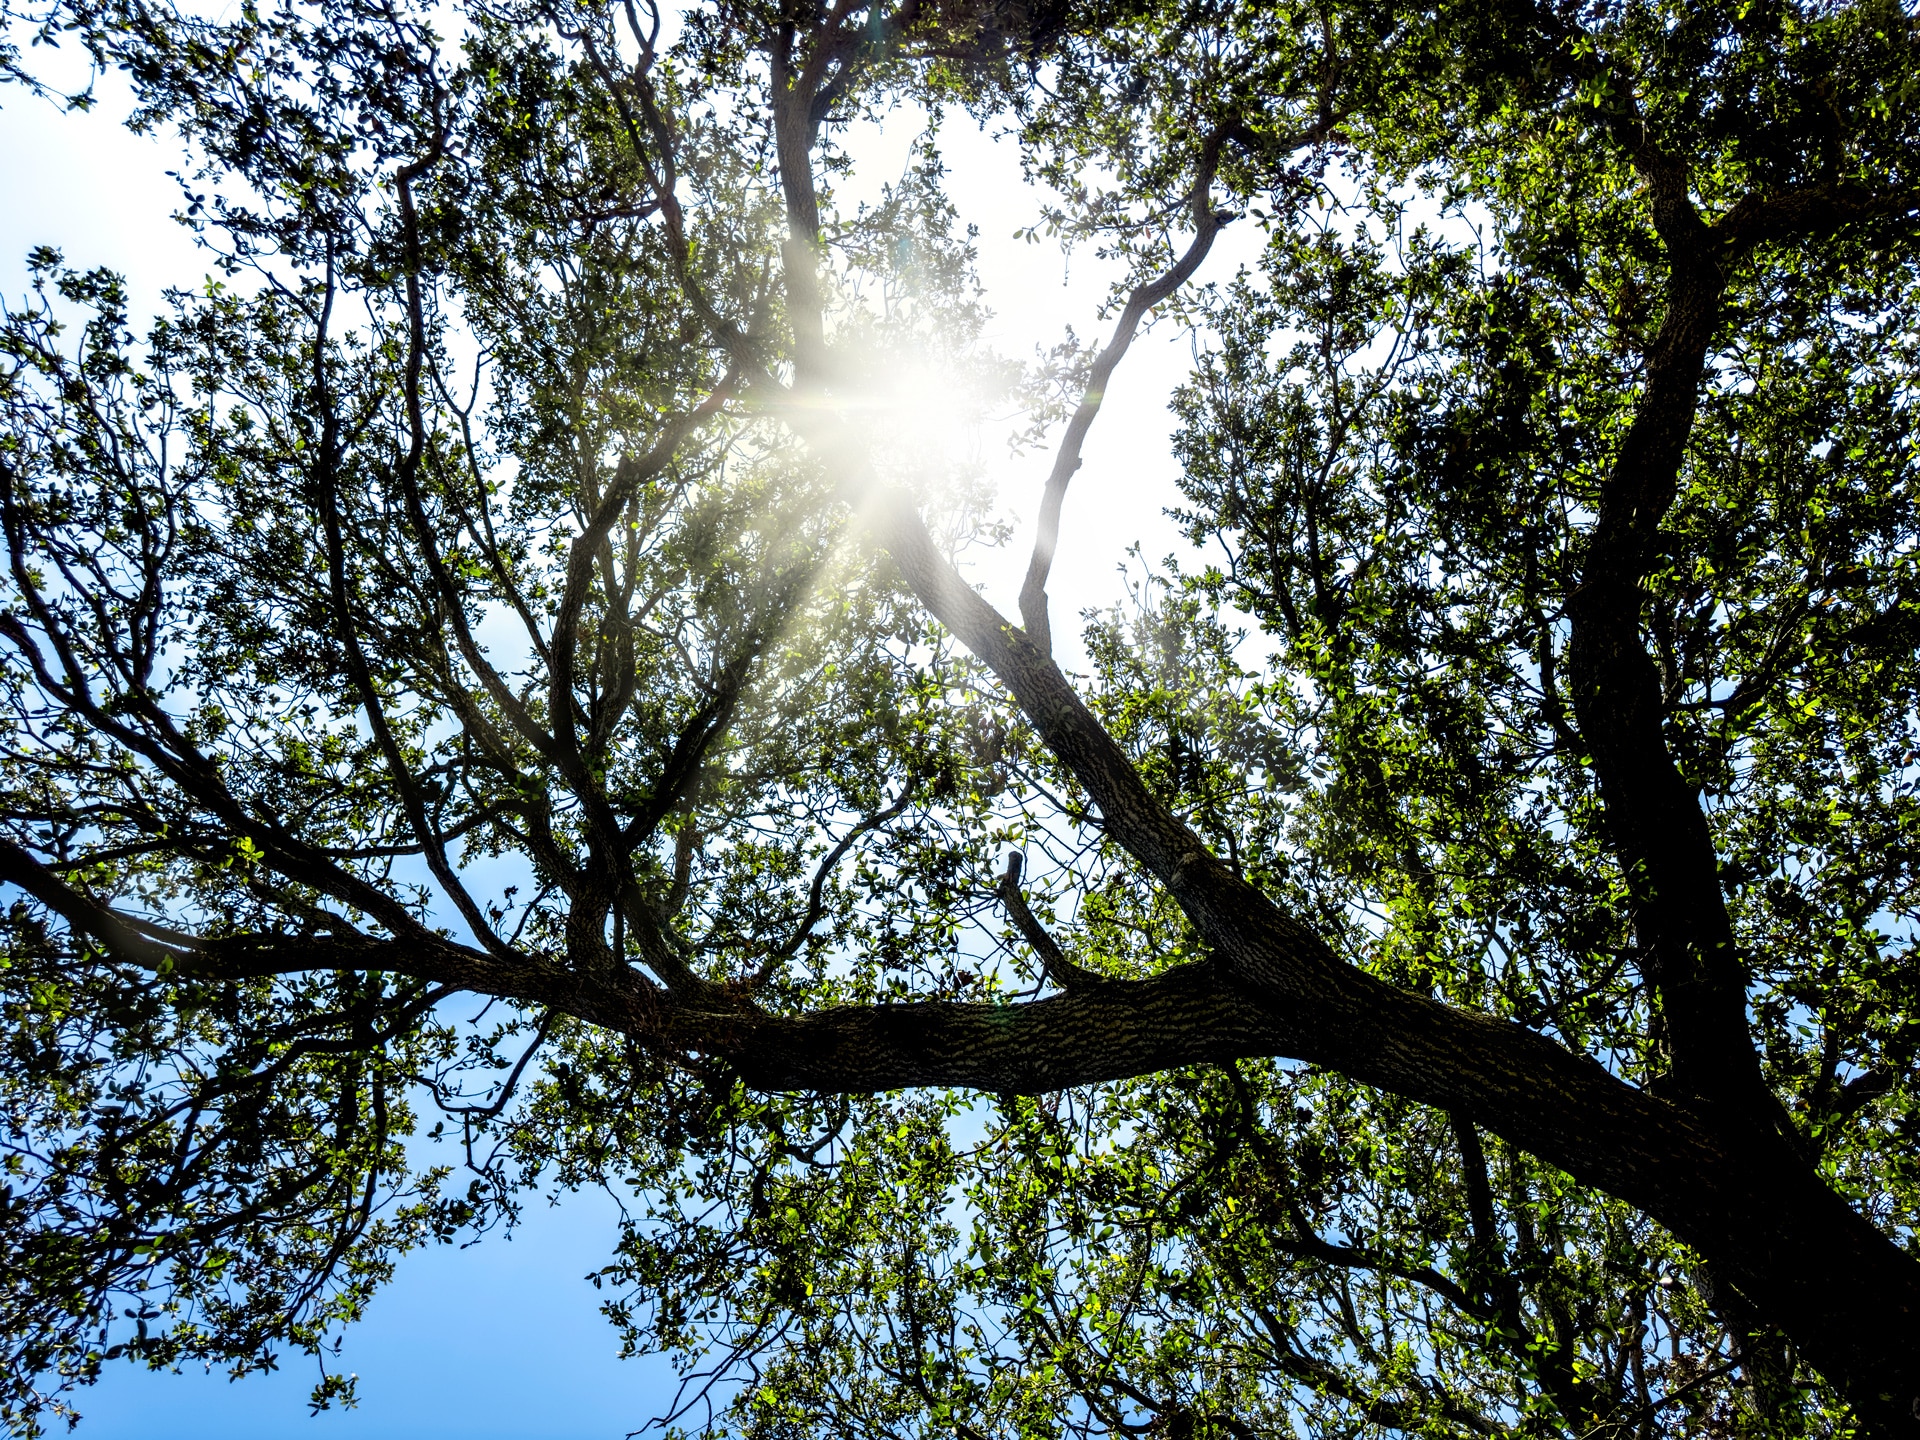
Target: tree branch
{"points": [[1207, 224], [1062, 971]]}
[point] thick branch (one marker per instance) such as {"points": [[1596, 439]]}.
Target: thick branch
{"points": [[81, 912]]}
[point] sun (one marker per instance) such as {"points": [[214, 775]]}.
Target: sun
{"points": [[923, 417]]}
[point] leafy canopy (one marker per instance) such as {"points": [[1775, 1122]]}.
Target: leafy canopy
{"points": [[489, 664]]}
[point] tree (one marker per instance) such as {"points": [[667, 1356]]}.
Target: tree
{"points": [[1455, 971]]}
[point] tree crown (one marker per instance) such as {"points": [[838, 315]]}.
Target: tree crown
{"points": [[1455, 970]]}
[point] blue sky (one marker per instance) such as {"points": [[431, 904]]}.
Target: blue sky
{"points": [[500, 1340]]}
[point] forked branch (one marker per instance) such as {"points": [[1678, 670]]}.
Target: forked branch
{"points": [[1059, 969]]}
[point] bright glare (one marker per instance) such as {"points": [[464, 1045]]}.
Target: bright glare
{"points": [[923, 423]]}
